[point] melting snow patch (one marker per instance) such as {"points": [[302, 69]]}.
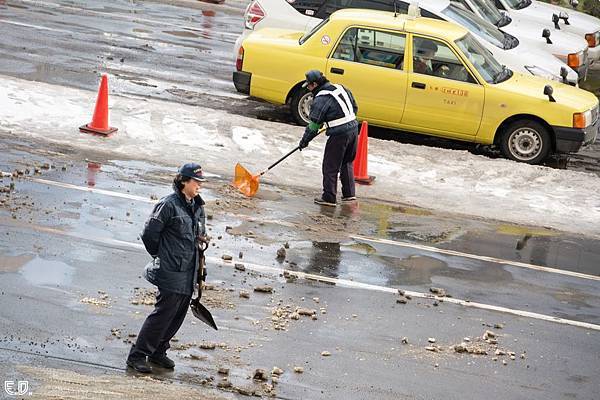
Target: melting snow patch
{"points": [[248, 140]]}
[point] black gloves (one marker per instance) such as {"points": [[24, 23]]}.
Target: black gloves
{"points": [[309, 134]]}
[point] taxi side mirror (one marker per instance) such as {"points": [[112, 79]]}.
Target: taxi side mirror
{"points": [[564, 73], [546, 35], [548, 92]]}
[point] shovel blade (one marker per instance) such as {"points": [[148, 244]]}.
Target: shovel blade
{"points": [[202, 313], [245, 181]]}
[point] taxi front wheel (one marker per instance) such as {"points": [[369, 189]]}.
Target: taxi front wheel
{"points": [[526, 141], [300, 105]]}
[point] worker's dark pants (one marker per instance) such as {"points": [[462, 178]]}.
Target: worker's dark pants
{"points": [[161, 325], [340, 151]]}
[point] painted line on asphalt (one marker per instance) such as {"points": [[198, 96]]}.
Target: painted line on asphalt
{"points": [[93, 190], [355, 237], [43, 28], [324, 279], [495, 260]]}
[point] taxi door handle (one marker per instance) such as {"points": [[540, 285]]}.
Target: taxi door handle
{"points": [[337, 71], [418, 85]]}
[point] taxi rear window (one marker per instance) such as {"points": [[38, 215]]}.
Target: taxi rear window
{"points": [[313, 31]]}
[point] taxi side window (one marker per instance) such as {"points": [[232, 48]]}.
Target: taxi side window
{"points": [[434, 58], [368, 46]]}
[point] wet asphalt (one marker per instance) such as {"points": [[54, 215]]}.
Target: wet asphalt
{"points": [[178, 50], [62, 246]]}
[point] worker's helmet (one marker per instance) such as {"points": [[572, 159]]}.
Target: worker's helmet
{"points": [[314, 76]]}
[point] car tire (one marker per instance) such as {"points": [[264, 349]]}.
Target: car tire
{"points": [[526, 141], [300, 105]]}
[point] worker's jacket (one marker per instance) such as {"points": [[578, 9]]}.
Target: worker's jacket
{"points": [[171, 237], [334, 106]]}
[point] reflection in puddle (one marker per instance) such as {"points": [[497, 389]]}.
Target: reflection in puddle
{"points": [[44, 272], [185, 34]]}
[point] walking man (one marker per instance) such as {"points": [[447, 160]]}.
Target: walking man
{"points": [[172, 236], [335, 107]]}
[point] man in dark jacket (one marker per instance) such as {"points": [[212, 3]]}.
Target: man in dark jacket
{"points": [[335, 107], [171, 235]]}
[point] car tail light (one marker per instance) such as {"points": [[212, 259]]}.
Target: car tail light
{"points": [[254, 14], [239, 62], [574, 60], [591, 39]]}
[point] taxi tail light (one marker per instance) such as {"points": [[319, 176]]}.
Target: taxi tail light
{"points": [[579, 120], [591, 39], [254, 14], [573, 60], [239, 61]]}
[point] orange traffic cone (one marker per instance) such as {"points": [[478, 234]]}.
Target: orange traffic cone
{"points": [[99, 122], [361, 175]]}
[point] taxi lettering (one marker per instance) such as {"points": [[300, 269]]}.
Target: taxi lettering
{"points": [[455, 92]]}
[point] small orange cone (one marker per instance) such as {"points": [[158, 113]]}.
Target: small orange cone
{"points": [[99, 122], [361, 175]]}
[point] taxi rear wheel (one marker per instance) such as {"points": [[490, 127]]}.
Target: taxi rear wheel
{"points": [[300, 105], [526, 141]]}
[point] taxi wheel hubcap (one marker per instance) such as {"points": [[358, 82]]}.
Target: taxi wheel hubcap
{"points": [[304, 106], [525, 144]]}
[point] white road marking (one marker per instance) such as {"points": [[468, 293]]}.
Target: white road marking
{"points": [[43, 28], [438, 250], [93, 190], [336, 281], [358, 238]]}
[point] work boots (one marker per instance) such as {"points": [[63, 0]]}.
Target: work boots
{"points": [[140, 365], [162, 360]]}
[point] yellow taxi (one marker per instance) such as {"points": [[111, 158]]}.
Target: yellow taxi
{"points": [[419, 75]]}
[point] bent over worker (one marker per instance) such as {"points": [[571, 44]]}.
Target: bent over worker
{"points": [[172, 236], [334, 107]]}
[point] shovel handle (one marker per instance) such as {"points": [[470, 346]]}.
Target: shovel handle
{"points": [[288, 154], [280, 160]]}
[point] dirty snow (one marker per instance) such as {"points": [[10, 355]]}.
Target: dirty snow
{"points": [[439, 179]]}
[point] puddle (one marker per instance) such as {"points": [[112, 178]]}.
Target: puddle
{"points": [[524, 231], [184, 34], [45, 272], [13, 263]]}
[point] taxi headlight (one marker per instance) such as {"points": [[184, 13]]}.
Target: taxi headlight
{"points": [[574, 59], [543, 73], [582, 120]]}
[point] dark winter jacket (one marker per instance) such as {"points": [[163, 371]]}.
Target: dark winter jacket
{"points": [[326, 108], [171, 236]]}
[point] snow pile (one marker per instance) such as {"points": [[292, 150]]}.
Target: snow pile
{"points": [[438, 179]]}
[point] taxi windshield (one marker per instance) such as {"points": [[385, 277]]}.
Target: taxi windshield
{"points": [[482, 60], [488, 11], [478, 26], [313, 31]]}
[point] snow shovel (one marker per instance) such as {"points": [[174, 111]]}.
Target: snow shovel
{"points": [[197, 308], [248, 183]]}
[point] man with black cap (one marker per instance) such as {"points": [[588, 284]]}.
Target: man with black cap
{"points": [[172, 236], [335, 107]]}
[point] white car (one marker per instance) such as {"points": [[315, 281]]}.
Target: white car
{"points": [[568, 47], [532, 49], [518, 55], [581, 24]]}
